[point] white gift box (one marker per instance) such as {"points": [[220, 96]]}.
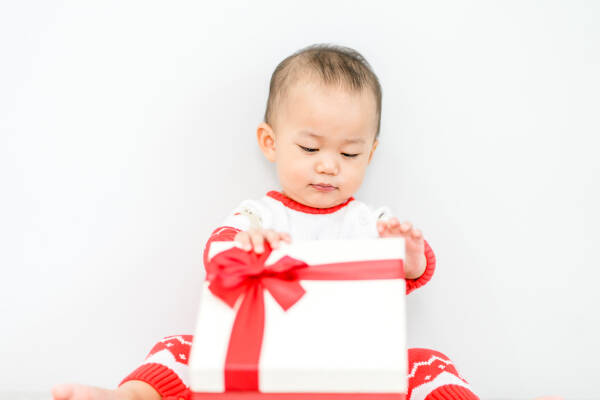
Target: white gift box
{"points": [[343, 339]]}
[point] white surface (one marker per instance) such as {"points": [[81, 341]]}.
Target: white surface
{"points": [[329, 341], [332, 251], [127, 132], [329, 251]]}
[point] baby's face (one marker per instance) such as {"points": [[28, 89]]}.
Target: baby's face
{"points": [[324, 137]]}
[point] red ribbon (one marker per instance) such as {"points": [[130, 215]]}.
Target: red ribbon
{"points": [[237, 273]]}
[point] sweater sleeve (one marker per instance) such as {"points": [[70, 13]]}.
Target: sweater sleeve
{"points": [[412, 284], [248, 215]]}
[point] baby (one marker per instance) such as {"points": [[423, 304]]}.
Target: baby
{"points": [[321, 130]]}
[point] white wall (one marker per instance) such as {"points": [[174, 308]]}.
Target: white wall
{"points": [[127, 134]]}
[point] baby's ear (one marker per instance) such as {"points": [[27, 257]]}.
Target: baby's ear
{"points": [[375, 143], [266, 140]]}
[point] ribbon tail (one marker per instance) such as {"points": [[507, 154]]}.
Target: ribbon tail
{"points": [[245, 342]]}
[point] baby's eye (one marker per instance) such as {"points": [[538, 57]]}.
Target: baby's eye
{"points": [[350, 155], [308, 149]]}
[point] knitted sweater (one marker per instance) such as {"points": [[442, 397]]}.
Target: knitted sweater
{"points": [[349, 220]]}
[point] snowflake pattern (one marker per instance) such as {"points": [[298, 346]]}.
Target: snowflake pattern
{"points": [[432, 364], [179, 346]]}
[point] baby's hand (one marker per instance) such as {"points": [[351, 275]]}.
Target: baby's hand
{"points": [[256, 237], [414, 244]]}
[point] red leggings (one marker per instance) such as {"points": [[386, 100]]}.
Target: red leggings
{"points": [[432, 375]]}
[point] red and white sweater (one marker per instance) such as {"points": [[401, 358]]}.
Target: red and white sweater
{"points": [[349, 220]]}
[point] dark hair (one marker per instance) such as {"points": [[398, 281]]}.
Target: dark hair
{"points": [[333, 65]]}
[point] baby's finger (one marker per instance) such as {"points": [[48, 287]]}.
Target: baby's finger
{"points": [[285, 237], [257, 241], [381, 226], [243, 239], [395, 227], [415, 233], [393, 222], [272, 237], [405, 227]]}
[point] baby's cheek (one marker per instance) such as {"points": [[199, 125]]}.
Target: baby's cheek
{"points": [[293, 175], [299, 172], [284, 172], [354, 178]]}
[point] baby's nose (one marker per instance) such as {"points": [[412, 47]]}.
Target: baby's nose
{"points": [[327, 166]]}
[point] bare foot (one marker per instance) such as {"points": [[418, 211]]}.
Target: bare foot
{"points": [[130, 390], [83, 392]]}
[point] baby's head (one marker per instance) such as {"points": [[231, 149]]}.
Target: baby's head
{"points": [[321, 124]]}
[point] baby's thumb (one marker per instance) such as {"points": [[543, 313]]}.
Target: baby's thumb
{"points": [[243, 238]]}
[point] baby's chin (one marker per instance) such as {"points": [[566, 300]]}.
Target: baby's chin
{"points": [[323, 204], [324, 200]]}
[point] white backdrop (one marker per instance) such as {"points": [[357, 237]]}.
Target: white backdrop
{"points": [[127, 132]]}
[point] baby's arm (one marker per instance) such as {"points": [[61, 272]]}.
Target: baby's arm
{"points": [[419, 260]]}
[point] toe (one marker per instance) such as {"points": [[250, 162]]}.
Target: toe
{"points": [[62, 392]]}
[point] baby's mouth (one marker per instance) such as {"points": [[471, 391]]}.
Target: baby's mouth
{"points": [[323, 187]]}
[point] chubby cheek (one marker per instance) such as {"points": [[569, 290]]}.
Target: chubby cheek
{"points": [[354, 177], [293, 174]]}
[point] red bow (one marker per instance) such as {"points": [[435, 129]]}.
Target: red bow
{"points": [[233, 272]]}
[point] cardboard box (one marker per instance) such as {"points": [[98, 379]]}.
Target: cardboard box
{"points": [[311, 320]]}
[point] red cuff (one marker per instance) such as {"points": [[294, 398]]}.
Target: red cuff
{"points": [[451, 392], [412, 284], [162, 379], [221, 234]]}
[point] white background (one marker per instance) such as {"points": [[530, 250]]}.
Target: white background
{"points": [[127, 132]]}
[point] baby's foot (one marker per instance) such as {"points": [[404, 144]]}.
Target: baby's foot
{"points": [[83, 392]]}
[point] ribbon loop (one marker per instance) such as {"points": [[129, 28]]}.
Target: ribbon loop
{"points": [[234, 271]]}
